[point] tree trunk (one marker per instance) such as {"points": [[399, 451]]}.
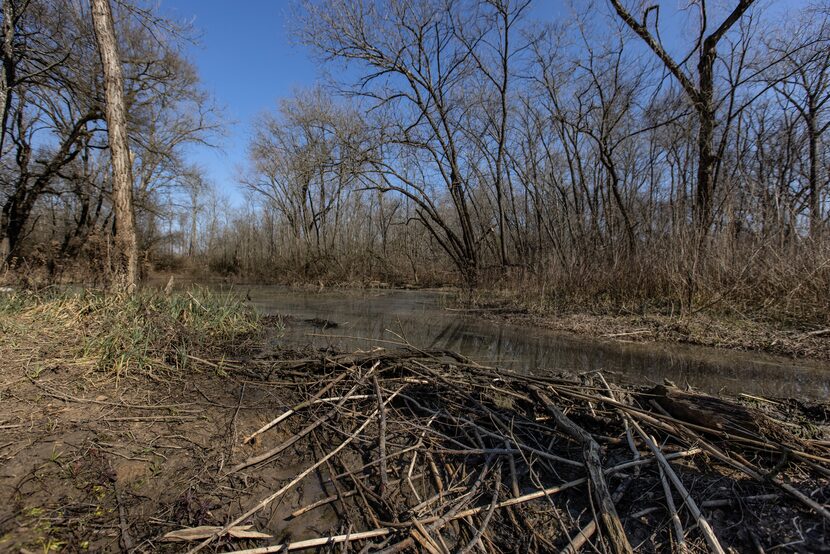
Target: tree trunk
{"points": [[705, 140], [814, 190], [125, 258], [13, 217], [7, 67], [5, 240]]}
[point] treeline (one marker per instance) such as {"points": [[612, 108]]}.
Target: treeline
{"points": [[522, 144], [610, 153]]}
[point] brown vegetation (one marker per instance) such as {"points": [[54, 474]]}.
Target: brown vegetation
{"points": [[576, 155], [396, 449]]}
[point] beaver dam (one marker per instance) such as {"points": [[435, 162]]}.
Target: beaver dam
{"points": [[405, 450]]}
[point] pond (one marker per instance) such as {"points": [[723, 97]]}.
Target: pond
{"points": [[364, 317]]}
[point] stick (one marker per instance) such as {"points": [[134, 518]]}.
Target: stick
{"points": [[298, 407], [678, 526], [436, 523], [383, 531], [590, 453], [306, 430], [731, 501], [285, 415], [581, 538], [264, 502], [483, 527], [311, 543], [683, 429], [514, 481], [384, 478], [329, 499], [708, 534]]}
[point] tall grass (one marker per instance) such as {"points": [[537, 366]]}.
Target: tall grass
{"points": [[787, 285], [144, 332]]}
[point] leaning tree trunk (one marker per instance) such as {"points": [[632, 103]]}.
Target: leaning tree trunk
{"points": [[7, 69], [125, 258]]}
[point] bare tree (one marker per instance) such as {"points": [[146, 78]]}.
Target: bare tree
{"points": [[702, 94], [803, 79], [125, 262]]}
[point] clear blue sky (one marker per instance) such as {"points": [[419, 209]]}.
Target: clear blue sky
{"points": [[246, 60]]}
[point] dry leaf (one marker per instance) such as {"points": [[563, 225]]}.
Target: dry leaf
{"points": [[206, 531]]}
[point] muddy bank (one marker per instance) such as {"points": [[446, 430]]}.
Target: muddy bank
{"points": [[92, 464], [776, 338], [392, 449]]}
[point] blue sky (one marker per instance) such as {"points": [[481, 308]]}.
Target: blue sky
{"points": [[246, 60]]}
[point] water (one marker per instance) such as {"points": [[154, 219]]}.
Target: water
{"points": [[421, 318]]}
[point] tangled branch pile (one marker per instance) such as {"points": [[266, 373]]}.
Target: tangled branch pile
{"points": [[428, 451]]}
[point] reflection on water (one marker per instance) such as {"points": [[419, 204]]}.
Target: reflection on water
{"points": [[418, 316]]}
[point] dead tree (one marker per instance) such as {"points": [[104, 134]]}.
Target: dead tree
{"points": [[701, 94]]}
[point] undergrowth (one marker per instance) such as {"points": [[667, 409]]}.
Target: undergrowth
{"points": [[147, 332]]}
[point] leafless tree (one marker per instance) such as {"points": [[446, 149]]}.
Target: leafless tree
{"points": [[125, 262], [803, 79], [701, 94]]}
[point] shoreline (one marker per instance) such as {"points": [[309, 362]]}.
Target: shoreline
{"points": [[701, 330], [797, 342]]}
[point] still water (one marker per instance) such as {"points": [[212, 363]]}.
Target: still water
{"points": [[421, 317]]}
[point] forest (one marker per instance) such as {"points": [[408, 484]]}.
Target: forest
{"points": [[590, 195], [574, 150]]}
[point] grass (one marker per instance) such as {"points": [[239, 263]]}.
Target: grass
{"points": [[147, 332]]}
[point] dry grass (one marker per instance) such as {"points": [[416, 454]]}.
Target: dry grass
{"points": [[768, 296], [147, 332]]}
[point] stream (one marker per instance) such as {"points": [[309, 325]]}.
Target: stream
{"points": [[365, 317]]}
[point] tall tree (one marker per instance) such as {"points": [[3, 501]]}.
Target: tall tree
{"points": [[701, 94], [125, 259], [803, 79]]}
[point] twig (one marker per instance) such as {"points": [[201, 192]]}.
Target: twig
{"points": [[708, 534], [678, 526], [581, 538], [384, 478], [306, 430], [266, 501], [298, 407]]}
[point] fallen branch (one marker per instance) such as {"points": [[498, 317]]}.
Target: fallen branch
{"points": [[590, 453]]}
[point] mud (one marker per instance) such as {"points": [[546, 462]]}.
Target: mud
{"points": [[88, 461]]}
